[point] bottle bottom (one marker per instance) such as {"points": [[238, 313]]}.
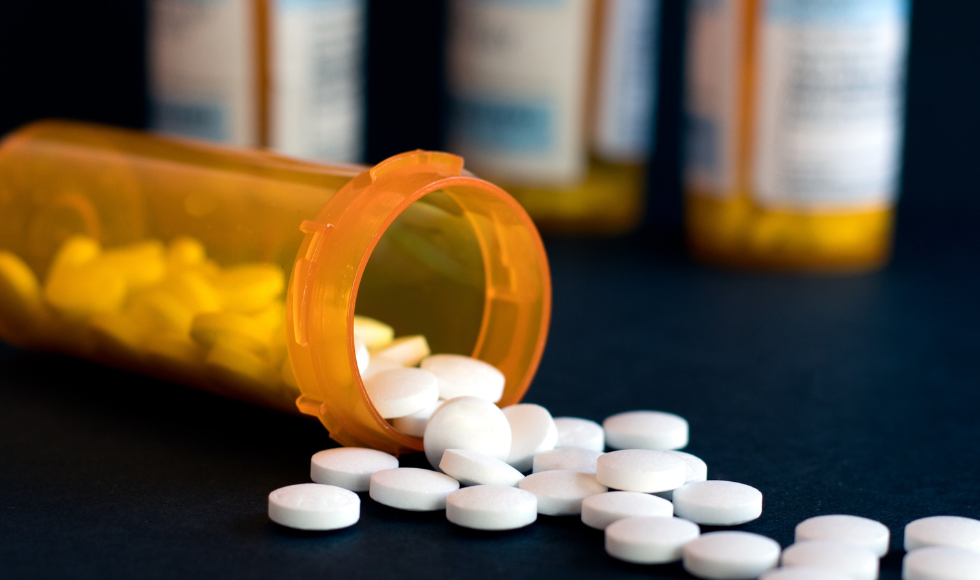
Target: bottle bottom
{"points": [[734, 232], [608, 201]]}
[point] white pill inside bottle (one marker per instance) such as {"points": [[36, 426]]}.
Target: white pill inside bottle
{"points": [[401, 392], [463, 376]]}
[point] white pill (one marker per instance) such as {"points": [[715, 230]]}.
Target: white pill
{"points": [[407, 351], [412, 489], [646, 430], [802, 574], [941, 563], [401, 392], [532, 431], [372, 332], [602, 509], [361, 355], [376, 365], [855, 562], [566, 459], [650, 540], [641, 470], [415, 423], [718, 503], [311, 506], [697, 470], [952, 531], [475, 468], [349, 467], [843, 528], [730, 555], [463, 376], [560, 493], [492, 507], [467, 423], [582, 433]]}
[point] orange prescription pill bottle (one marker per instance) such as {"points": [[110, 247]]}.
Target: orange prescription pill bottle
{"points": [[795, 123], [239, 271], [554, 100]]}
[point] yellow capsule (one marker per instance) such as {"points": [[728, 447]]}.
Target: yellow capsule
{"points": [[74, 252], [407, 351], [251, 287], [81, 291], [231, 328], [236, 365], [21, 308], [116, 332], [172, 350], [141, 263], [373, 333], [158, 310], [194, 290], [185, 252]]}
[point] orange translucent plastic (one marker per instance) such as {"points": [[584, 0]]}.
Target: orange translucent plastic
{"points": [[414, 241], [730, 228]]}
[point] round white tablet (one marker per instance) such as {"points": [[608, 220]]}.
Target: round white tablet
{"points": [[401, 392], [730, 555], [649, 540], [802, 574], [491, 507], [412, 489], [467, 423], [415, 423], [641, 470], [582, 433], [532, 431], [941, 563], [311, 506], [560, 493], [717, 503], [567, 459], [602, 509], [475, 468], [646, 430], [463, 376], [943, 531], [843, 528], [349, 467], [697, 470], [855, 562], [377, 365]]}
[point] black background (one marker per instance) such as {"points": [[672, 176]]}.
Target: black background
{"points": [[855, 394]]}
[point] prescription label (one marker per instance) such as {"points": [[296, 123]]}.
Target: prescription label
{"points": [[201, 73], [626, 83], [829, 103], [317, 69], [517, 79], [711, 98]]}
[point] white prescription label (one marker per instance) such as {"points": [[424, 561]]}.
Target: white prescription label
{"points": [[516, 75], [829, 106], [317, 79], [626, 96], [711, 97], [202, 74]]}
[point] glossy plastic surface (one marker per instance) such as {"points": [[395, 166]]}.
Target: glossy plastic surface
{"points": [[413, 241]]}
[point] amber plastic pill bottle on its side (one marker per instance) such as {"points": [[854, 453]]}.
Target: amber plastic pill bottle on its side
{"points": [[239, 271]]}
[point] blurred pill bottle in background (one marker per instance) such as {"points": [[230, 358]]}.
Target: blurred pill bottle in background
{"points": [[794, 132], [554, 101], [282, 74]]}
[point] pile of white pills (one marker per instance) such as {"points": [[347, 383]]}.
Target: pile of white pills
{"points": [[498, 469]]}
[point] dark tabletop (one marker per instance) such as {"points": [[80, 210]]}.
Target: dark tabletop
{"points": [[855, 395]]}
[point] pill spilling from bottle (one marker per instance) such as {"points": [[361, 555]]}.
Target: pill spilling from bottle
{"points": [[498, 469]]}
